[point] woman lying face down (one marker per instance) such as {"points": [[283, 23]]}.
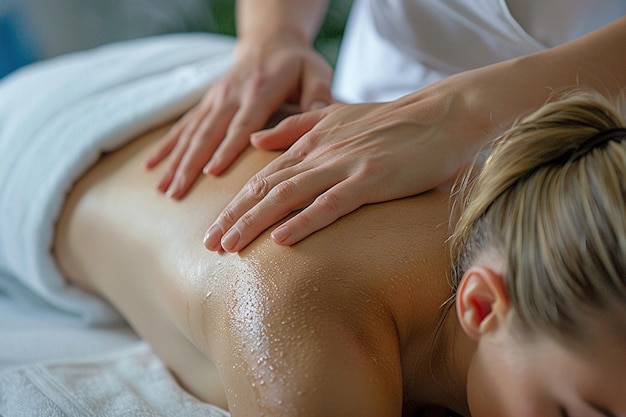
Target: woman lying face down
{"points": [[359, 319], [540, 266]]}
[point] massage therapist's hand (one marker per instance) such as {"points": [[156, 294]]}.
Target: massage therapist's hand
{"points": [[342, 157], [267, 73]]}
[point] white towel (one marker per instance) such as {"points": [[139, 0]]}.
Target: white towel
{"points": [[57, 117], [131, 382]]}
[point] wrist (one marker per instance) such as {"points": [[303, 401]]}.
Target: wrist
{"points": [[260, 48], [489, 100], [295, 21], [456, 113], [284, 34]]}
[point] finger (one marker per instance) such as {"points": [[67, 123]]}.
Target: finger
{"points": [[338, 201], [176, 155], [286, 166], [315, 88], [169, 142], [227, 151], [255, 189], [288, 131], [257, 104], [289, 195], [163, 150], [206, 138]]}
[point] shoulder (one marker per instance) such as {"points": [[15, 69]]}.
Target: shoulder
{"points": [[315, 325], [308, 335]]}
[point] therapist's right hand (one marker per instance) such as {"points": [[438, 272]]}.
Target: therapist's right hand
{"points": [[267, 74]]}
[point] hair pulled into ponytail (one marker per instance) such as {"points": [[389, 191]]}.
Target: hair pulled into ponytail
{"points": [[553, 206]]}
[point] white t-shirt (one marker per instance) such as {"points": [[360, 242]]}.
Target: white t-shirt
{"points": [[394, 47]]}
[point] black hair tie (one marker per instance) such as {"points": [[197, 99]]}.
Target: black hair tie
{"points": [[599, 140]]}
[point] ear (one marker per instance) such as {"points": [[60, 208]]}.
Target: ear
{"points": [[482, 301]]}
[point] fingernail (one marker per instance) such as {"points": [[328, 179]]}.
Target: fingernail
{"points": [[281, 234], [316, 105], [212, 237], [207, 168], [158, 184], [173, 193], [175, 190], [230, 239]]}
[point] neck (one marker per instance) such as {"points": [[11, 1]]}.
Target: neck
{"points": [[436, 370]]}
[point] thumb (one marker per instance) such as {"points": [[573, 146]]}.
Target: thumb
{"points": [[317, 104], [284, 134], [315, 90]]}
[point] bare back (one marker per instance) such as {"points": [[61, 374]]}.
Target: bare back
{"points": [[341, 316]]}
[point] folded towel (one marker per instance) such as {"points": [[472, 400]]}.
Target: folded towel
{"points": [[131, 382], [57, 117]]}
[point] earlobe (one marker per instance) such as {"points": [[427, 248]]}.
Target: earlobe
{"points": [[481, 301]]}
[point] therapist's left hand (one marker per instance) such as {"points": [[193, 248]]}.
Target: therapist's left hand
{"points": [[342, 157], [268, 74]]}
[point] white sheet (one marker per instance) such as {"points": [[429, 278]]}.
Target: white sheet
{"points": [[55, 120], [62, 351]]}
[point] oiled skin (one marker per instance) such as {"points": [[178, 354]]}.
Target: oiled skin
{"points": [[328, 327]]}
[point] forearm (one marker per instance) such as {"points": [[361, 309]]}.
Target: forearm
{"points": [[299, 19], [495, 96]]}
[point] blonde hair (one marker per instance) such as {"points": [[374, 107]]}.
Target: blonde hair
{"points": [[554, 208]]}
